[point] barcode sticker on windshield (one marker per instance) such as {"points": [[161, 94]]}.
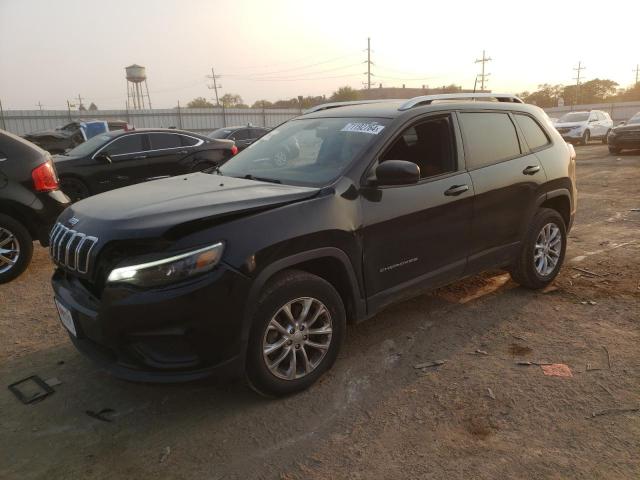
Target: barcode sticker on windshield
{"points": [[372, 128]]}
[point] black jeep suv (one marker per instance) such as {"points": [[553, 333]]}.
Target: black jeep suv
{"points": [[257, 267]]}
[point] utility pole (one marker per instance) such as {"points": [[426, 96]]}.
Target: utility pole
{"points": [[69, 105], [39, 105], [637, 70], [369, 63], [578, 69], [215, 85], [483, 76], [80, 102]]}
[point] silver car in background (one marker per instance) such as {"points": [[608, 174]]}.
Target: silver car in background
{"points": [[580, 127]]}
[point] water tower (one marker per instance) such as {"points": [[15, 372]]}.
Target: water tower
{"points": [[136, 91]]}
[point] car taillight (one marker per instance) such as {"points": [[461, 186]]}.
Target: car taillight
{"points": [[44, 177], [234, 150]]}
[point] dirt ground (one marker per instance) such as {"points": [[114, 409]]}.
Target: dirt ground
{"points": [[374, 416]]}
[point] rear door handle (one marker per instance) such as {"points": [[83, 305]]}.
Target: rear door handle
{"points": [[139, 157], [456, 190], [531, 170]]}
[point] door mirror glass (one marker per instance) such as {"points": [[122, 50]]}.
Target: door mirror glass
{"points": [[104, 157], [397, 172]]}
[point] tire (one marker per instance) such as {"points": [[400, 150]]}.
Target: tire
{"points": [[13, 236], [605, 138], [614, 150], [586, 136], [74, 188], [527, 271], [294, 288]]}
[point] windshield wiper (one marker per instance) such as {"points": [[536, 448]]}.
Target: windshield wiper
{"points": [[248, 176]]}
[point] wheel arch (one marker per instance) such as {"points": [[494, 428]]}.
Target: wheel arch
{"points": [[560, 201]]}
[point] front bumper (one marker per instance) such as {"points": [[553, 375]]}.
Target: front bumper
{"points": [[624, 141], [573, 135], [189, 331]]}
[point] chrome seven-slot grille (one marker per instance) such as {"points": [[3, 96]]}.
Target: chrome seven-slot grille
{"points": [[71, 249]]}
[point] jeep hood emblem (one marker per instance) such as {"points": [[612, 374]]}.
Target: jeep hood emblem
{"points": [[73, 221]]}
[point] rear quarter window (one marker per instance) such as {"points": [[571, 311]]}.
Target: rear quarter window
{"points": [[533, 133], [488, 138]]}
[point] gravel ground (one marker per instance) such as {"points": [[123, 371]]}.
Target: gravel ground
{"points": [[374, 416]]}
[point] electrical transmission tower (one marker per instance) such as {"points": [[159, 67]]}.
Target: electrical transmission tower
{"points": [[483, 76], [369, 63], [637, 70], [215, 85], [578, 69]]}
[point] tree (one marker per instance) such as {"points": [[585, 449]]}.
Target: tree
{"points": [[199, 102], [262, 104], [93, 107], [230, 100], [344, 94], [593, 91]]}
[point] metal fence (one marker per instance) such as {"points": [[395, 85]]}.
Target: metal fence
{"points": [[618, 111], [195, 119]]}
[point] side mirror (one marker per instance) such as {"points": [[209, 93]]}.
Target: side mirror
{"points": [[593, 120], [104, 157], [397, 172]]}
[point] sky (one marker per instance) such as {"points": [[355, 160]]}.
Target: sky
{"points": [[53, 51]]}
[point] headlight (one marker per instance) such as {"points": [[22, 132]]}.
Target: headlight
{"points": [[577, 127], [169, 270]]}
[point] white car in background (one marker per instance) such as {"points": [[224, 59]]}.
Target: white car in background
{"points": [[580, 127]]}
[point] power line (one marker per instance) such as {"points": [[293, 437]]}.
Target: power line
{"points": [[301, 76], [302, 67], [215, 85], [578, 69], [483, 76]]}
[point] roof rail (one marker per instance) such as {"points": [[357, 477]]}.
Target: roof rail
{"points": [[327, 106], [428, 99]]}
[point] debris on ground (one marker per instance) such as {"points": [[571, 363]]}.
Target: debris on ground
{"points": [[526, 363], [53, 382], [608, 356], [557, 370], [490, 394], [614, 410], [589, 272], [165, 454], [550, 289], [518, 350], [31, 389], [588, 302], [102, 415], [479, 352], [435, 363]]}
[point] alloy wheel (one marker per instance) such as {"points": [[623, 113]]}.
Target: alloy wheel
{"points": [[297, 338], [9, 250], [547, 249]]}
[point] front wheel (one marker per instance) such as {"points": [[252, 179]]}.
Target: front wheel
{"points": [[542, 251], [586, 136], [16, 248], [614, 150], [298, 327]]}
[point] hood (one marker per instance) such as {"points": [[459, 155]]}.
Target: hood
{"points": [[149, 209], [569, 124], [49, 133], [627, 128]]}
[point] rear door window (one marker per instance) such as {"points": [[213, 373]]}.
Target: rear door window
{"points": [[162, 141], [533, 133], [489, 137], [189, 141]]}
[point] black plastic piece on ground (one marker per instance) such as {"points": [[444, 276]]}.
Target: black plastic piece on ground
{"points": [[45, 390]]}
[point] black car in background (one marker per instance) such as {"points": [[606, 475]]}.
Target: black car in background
{"points": [[68, 136], [30, 202], [117, 159], [242, 136], [625, 136]]}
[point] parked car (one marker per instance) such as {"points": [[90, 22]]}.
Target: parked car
{"points": [[625, 136], [581, 127], [68, 136], [117, 159], [257, 266], [30, 202], [242, 136]]}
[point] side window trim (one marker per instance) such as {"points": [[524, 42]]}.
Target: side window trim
{"points": [[456, 145], [465, 141]]}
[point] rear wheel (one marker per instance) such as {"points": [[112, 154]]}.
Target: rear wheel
{"points": [[16, 248], [614, 150], [298, 327], [542, 251], [586, 136], [74, 188]]}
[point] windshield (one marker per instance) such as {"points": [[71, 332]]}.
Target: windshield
{"points": [[220, 133], [634, 119], [306, 151], [574, 117], [89, 146]]}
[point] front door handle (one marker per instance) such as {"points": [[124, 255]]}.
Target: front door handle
{"points": [[456, 190], [139, 157], [531, 170]]}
